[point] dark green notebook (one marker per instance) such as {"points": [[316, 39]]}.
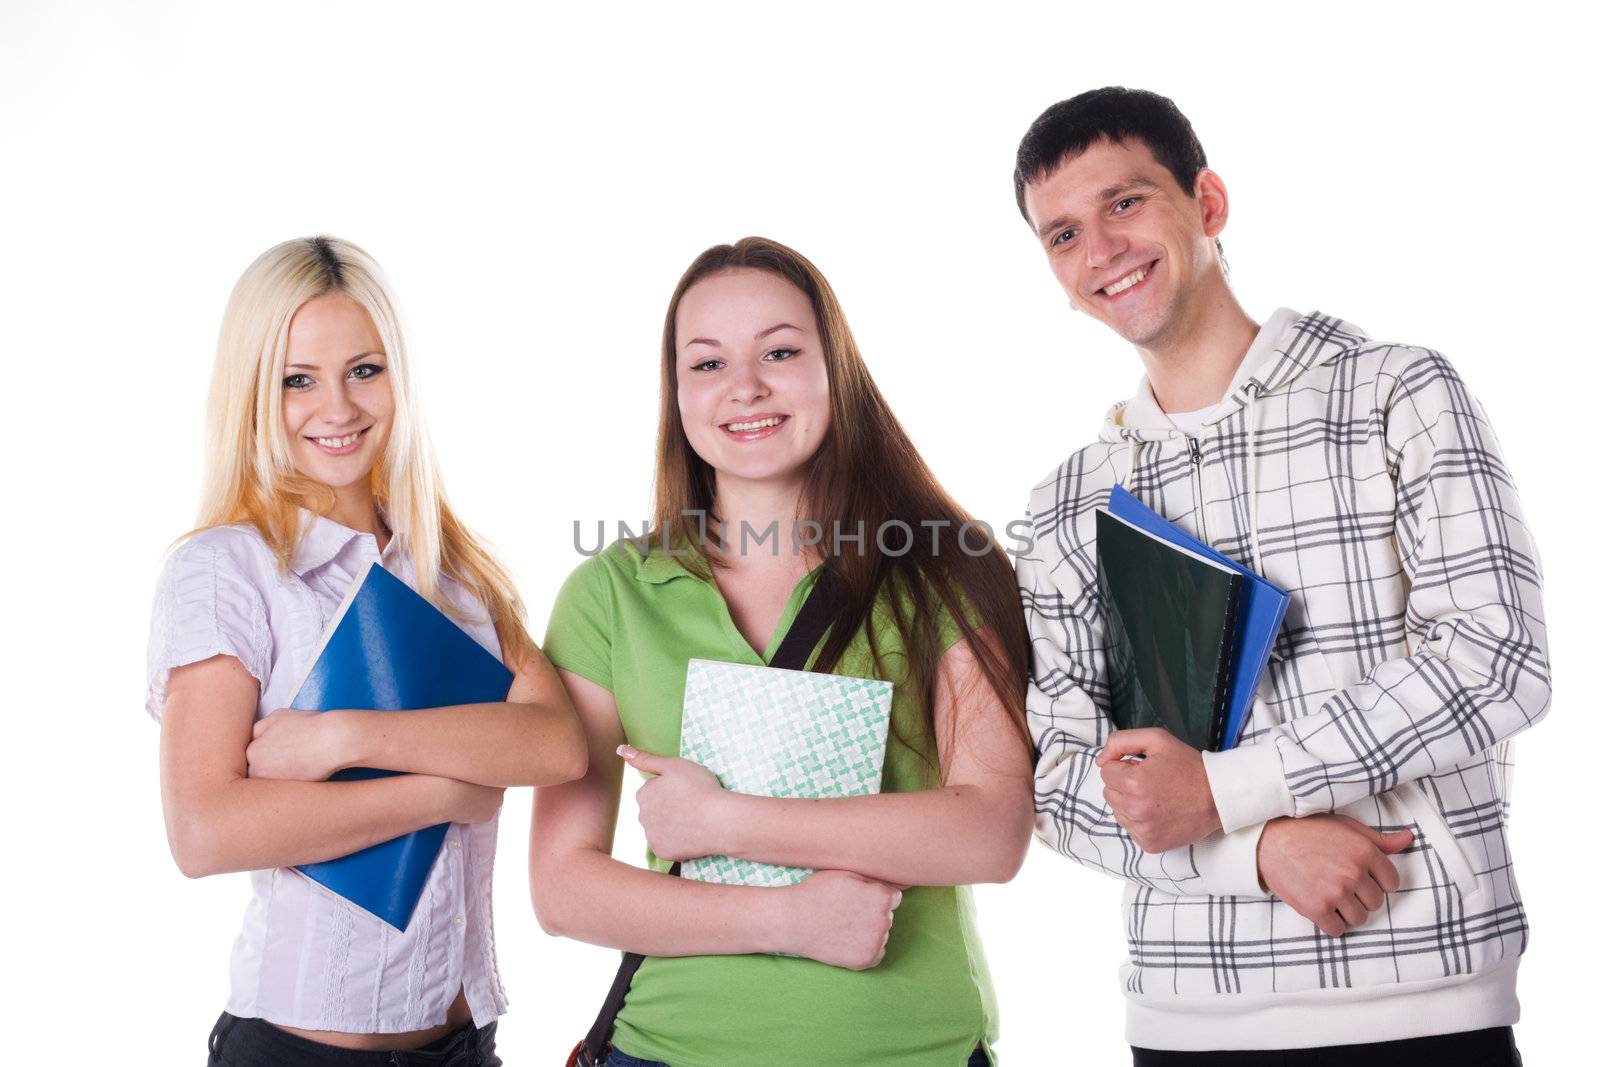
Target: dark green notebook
{"points": [[1170, 631]]}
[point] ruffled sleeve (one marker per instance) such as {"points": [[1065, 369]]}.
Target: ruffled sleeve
{"points": [[205, 605]]}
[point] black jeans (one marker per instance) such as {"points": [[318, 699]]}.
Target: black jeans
{"points": [[239, 1042], [1476, 1048], [621, 1059]]}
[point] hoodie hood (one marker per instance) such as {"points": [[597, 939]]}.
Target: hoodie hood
{"points": [[1288, 345]]}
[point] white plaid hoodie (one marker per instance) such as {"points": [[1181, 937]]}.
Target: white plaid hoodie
{"points": [[1362, 478]]}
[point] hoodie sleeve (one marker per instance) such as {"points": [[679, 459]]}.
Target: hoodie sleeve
{"points": [[1069, 695], [1478, 671]]}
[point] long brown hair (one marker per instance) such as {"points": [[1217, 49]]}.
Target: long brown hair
{"points": [[865, 471]]}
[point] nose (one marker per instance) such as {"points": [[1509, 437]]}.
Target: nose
{"points": [[337, 406], [1102, 246], [747, 383]]}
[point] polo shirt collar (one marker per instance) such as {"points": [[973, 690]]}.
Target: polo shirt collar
{"points": [[658, 567]]}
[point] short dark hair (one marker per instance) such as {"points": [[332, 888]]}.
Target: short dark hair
{"points": [[1114, 114]]}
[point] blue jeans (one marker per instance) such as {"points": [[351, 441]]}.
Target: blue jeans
{"points": [[618, 1058]]}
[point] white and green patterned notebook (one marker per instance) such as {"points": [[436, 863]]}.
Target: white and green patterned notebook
{"points": [[778, 733]]}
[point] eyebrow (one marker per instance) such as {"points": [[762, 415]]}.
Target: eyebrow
{"points": [[1110, 192], [769, 331], [1113, 192], [352, 359]]}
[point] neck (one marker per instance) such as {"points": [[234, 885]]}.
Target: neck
{"points": [[354, 508], [1190, 369], [754, 510]]}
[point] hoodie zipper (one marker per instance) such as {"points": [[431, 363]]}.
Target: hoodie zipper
{"points": [[1199, 493]]}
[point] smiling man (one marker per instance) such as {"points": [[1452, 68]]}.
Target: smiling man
{"points": [[1338, 888]]}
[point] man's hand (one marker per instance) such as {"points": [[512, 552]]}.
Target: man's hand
{"points": [[1163, 800], [680, 808], [1330, 868]]}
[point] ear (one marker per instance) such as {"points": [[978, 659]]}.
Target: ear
{"points": [[1212, 196]]}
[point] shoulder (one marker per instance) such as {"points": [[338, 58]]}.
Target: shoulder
{"points": [[1088, 471], [593, 587], [584, 619], [239, 539], [212, 598], [1411, 368], [899, 608], [619, 562], [1409, 386], [226, 554], [1358, 359], [1061, 505]]}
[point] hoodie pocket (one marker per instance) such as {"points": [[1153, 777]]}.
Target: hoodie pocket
{"points": [[1409, 797], [1436, 834]]}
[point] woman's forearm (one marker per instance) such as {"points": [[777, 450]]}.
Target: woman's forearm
{"points": [[588, 896], [254, 823], [499, 744], [956, 835]]}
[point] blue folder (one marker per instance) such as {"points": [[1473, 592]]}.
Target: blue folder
{"points": [[391, 650], [1261, 609]]}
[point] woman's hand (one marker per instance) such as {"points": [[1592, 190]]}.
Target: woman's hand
{"points": [[841, 919], [301, 746], [682, 809], [470, 802]]}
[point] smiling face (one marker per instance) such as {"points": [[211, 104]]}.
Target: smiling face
{"points": [[752, 377], [1130, 247], [337, 404]]}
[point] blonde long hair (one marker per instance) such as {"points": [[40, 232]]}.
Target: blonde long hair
{"points": [[250, 477]]}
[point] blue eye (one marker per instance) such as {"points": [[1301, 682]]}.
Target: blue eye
{"points": [[365, 371], [296, 381]]}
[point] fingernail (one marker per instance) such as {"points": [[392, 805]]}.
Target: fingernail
{"points": [[627, 751], [898, 896]]}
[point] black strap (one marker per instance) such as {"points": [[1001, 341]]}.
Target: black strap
{"points": [[804, 633], [808, 626]]}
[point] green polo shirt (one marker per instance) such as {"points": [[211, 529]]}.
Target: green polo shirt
{"points": [[631, 624]]}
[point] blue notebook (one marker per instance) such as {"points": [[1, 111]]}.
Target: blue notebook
{"points": [[1260, 612], [389, 649]]}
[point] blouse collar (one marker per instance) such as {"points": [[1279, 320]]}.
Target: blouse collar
{"points": [[321, 539]]}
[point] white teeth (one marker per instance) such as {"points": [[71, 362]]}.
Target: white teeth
{"points": [[746, 427], [337, 442], [1125, 284]]}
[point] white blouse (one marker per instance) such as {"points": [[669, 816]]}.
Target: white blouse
{"points": [[306, 957]]}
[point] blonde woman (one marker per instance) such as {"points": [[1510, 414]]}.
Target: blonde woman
{"points": [[319, 464]]}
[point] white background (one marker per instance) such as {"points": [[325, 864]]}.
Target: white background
{"points": [[536, 181]]}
